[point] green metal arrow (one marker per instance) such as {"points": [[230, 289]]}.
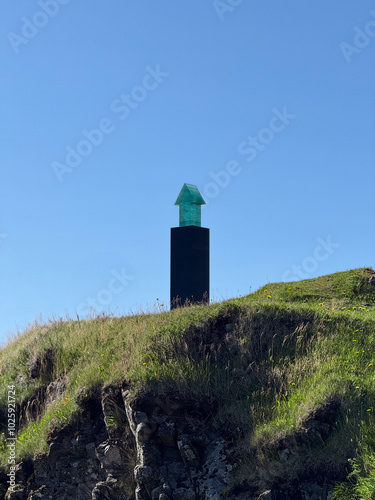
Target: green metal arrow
{"points": [[190, 201]]}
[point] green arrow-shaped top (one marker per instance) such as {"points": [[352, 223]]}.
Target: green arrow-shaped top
{"points": [[190, 194], [190, 201]]}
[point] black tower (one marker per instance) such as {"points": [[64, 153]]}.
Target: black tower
{"points": [[190, 252]]}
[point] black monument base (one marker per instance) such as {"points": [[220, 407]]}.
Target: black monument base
{"points": [[190, 265]]}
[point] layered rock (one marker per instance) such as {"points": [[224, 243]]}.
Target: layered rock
{"points": [[164, 447], [117, 448]]}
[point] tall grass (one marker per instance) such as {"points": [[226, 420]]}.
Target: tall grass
{"points": [[265, 361]]}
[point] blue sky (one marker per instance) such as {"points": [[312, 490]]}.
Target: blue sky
{"points": [[109, 107]]}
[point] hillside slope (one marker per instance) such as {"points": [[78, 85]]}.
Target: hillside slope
{"points": [[266, 396]]}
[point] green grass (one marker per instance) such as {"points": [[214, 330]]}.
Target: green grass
{"points": [[293, 347]]}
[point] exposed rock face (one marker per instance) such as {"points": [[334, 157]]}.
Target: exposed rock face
{"points": [[157, 448], [177, 458], [118, 449]]}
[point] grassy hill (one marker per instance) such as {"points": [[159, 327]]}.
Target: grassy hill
{"points": [[271, 365]]}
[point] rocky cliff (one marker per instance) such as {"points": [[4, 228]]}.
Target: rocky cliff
{"points": [[158, 447], [267, 397]]}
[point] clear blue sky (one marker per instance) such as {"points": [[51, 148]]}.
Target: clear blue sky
{"points": [[109, 107]]}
